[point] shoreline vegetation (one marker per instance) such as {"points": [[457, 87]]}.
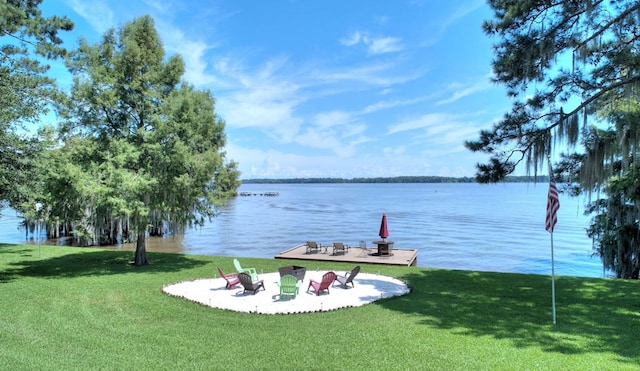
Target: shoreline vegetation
{"points": [[398, 179]]}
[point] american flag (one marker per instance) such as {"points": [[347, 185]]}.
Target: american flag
{"points": [[553, 204]]}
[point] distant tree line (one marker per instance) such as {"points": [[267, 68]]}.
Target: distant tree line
{"points": [[397, 179]]}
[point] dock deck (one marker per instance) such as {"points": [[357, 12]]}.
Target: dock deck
{"points": [[355, 254]]}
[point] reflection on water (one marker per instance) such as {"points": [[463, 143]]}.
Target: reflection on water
{"points": [[11, 231], [454, 226], [172, 244]]}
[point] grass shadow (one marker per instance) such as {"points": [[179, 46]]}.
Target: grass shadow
{"points": [[593, 315], [96, 263], [6, 248]]}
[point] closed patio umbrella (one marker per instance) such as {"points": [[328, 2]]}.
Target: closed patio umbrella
{"points": [[384, 231]]}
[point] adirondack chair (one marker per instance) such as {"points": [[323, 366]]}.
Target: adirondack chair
{"points": [[348, 277], [289, 286], [364, 251], [313, 247], [340, 248], [251, 271], [231, 278], [249, 284], [324, 284]]}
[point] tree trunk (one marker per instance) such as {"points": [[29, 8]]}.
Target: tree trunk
{"points": [[156, 229], [141, 249]]}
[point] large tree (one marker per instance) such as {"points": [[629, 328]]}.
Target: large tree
{"points": [[573, 71], [27, 41], [151, 143]]}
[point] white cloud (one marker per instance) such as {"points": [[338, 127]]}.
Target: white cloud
{"points": [[334, 131], [159, 5], [454, 133], [192, 50], [262, 98], [398, 150], [441, 27], [382, 105], [460, 91], [375, 45], [333, 118], [426, 121], [96, 12], [385, 45], [351, 39], [389, 162], [440, 129], [378, 74]]}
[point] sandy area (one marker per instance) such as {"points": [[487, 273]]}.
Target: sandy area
{"points": [[212, 292]]}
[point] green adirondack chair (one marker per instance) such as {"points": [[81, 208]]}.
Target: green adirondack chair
{"points": [[250, 271], [289, 286]]}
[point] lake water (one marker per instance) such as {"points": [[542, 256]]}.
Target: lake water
{"points": [[467, 226]]}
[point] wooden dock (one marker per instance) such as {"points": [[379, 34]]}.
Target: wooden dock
{"points": [[355, 254], [268, 194]]}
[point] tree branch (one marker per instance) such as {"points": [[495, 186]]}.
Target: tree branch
{"points": [[596, 96], [608, 25]]}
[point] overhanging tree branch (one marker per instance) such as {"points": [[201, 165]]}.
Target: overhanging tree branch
{"points": [[608, 25]]}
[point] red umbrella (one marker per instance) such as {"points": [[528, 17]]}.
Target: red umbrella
{"points": [[384, 232]]}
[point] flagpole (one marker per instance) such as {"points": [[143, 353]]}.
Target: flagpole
{"points": [[553, 283], [553, 204]]}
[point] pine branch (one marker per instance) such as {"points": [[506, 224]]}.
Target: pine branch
{"points": [[606, 26]]}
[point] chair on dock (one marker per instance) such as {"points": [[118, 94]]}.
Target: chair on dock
{"points": [[340, 248], [364, 251], [313, 247]]}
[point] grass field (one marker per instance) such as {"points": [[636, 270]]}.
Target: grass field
{"points": [[88, 309]]}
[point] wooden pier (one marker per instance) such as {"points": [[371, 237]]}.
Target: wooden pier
{"points": [[355, 254], [267, 194]]}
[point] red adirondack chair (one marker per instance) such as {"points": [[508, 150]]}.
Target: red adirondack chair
{"points": [[231, 278], [327, 280]]}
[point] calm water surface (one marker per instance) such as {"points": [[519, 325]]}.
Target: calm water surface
{"points": [[455, 226]]}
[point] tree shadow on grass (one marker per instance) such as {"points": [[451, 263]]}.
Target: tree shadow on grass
{"points": [[12, 249], [593, 315], [96, 263]]}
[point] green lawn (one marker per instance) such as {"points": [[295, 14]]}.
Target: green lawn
{"points": [[82, 309]]}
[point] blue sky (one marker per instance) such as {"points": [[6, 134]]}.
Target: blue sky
{"points": [[327, 88]]}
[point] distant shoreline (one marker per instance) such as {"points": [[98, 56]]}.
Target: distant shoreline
{"points": [[398, 179]]}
